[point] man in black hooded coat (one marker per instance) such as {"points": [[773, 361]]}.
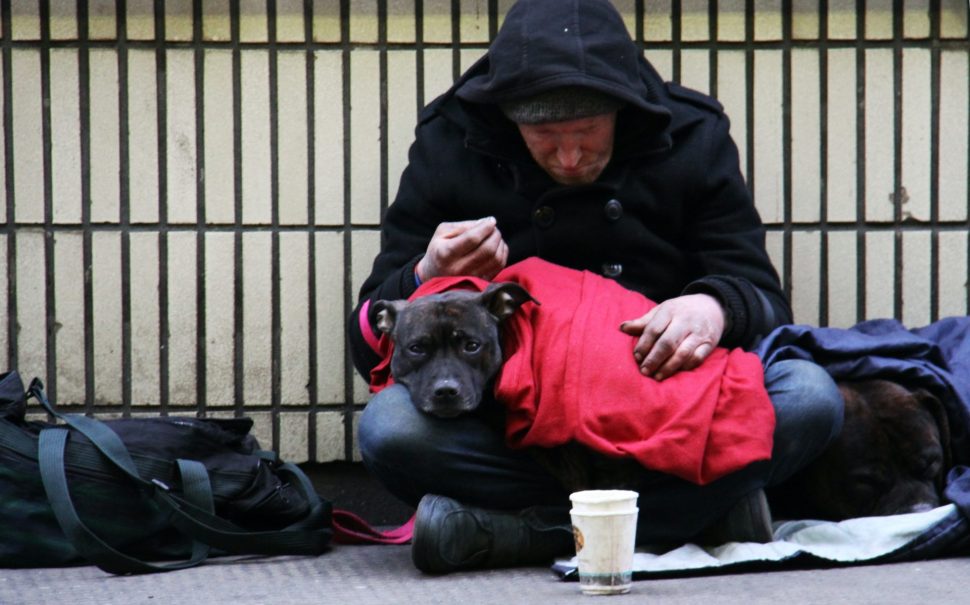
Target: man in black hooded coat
{"points": [[564, 143]]}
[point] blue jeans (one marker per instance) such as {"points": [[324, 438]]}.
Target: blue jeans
{"points": [[412, 454]]}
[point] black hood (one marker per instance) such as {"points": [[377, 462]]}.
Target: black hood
{"points": [[546, 44]]}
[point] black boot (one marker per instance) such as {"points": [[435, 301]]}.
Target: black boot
{"points": [[449, 536], [749, 520]]}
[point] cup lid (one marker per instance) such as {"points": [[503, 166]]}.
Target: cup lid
{"points": [[597, 500]]}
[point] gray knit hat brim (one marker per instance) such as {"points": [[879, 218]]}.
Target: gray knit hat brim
{"points": [[560, 105]]}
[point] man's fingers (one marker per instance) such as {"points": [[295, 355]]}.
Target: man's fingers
{"points": [[656, 355], [654, 324], [689, 355], [452, 229], [468, 241], [465, 248], [495, 254]]}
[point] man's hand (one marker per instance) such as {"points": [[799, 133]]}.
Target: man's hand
{"points": [[464, 248], [678, 334]]}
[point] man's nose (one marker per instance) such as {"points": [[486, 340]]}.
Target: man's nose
{"points": [[568, 155]]}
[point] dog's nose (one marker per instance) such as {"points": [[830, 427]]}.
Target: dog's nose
{"points": [[446, 390], [922, 507]]}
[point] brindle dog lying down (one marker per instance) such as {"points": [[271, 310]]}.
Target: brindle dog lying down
{"points": [[891, 458]]}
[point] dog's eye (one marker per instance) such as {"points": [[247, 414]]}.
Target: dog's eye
{"points": [[931, 467], [472, 346], [870, 482], [417, 348]]}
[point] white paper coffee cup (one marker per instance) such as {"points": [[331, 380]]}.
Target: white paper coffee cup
{"points": [[605, 527]]}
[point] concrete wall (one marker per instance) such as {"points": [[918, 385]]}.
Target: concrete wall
{"points": [[192, 190]]}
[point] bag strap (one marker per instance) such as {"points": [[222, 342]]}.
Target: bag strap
{"points": [[193, 514], [233, 539], [51, 445], [348, 528]]}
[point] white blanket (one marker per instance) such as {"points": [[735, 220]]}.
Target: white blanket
{"points": [[847, 542]]}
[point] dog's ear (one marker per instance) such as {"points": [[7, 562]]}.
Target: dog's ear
{"points": [[935, 407], [503, 298], [384, 314]]}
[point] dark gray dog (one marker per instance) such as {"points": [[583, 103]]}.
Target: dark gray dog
{"points": [[447, 346]]}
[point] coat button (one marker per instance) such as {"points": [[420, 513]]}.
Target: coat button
{"points": [[612, 269], [613, 210], [544, 216]]}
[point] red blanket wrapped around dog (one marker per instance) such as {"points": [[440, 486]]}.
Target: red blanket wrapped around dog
{"points": [[569, 375]]}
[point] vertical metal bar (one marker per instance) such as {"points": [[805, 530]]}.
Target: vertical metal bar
{"points": [[383, 92], [638, 33], [238, 365], [200, 221], [419, 47], [275, 297], [967, 220], [348, 232], [455, 39], [493, 17], [161, 85], [713, 56], [313, 357], [786, 129], [9, 191], [899, 195], [823, 152], [84, 81], [860, 222], [935, 26], [49, 269], [749, 93], [124, 194], [676, 34]]}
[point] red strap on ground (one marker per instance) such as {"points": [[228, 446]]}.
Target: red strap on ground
{"points": [[349, 528]]}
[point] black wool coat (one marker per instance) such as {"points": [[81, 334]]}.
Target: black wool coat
{"points": [[670, 214]]}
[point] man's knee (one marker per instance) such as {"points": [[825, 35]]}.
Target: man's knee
{"points": [[805, 392], [388, 427], [808, 412]]}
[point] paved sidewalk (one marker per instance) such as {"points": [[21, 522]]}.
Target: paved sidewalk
{"points": [[383, 575], [364, 575]]}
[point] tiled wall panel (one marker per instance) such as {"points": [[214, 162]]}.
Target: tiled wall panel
{"points": [[146, 343], [879, 141], [842, 157], [181, 317], [257, 320], [190, 207], [69, 385], [257, 186], [331, 360], [106, 316], [954, 101], [220, 318], [27, 136], [328, 141], [143, 134], [180, 137], [65, 127], [219, 137], [294, 304], [806, 131], [768, 127], [292, 149], [105, 155]]}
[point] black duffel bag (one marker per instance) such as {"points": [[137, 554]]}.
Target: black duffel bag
{"points": [[137, 495]]}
